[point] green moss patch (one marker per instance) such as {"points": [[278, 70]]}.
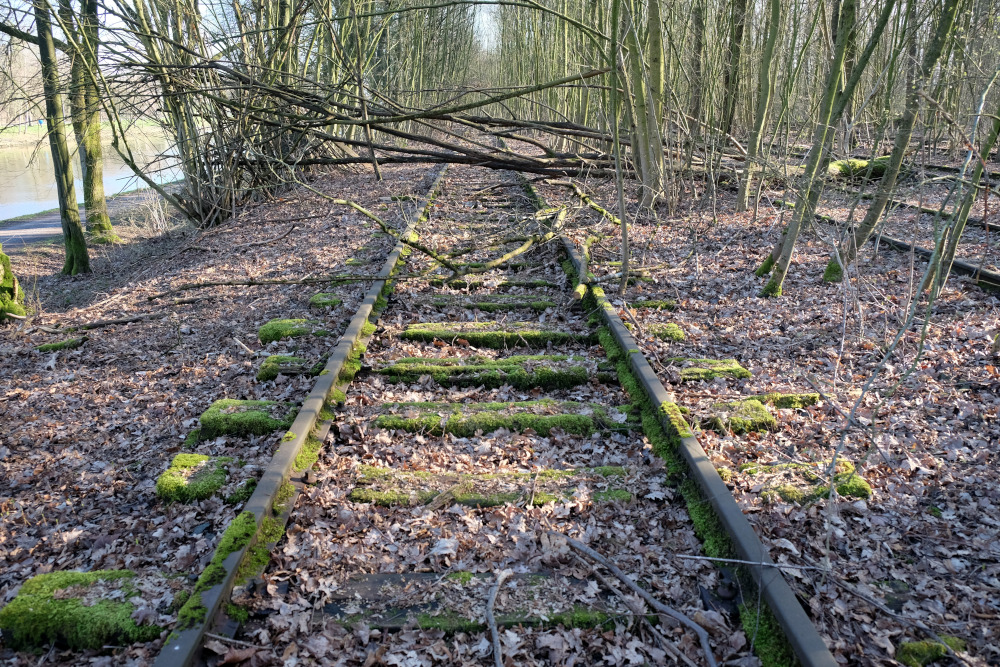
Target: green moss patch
{"points": [[281, 364], [279, 329], [192, 477], [68, 344], [667, 331], [325, 300], [460, 283], [492, 334], [11, 294], [803, 483], [521, 372], [855, 168], [308, 455], [464, 420], [241, 418], [745, 416], [387, 487], [56, 608], [708, 369], [493, 303], [921, 654], [237, 537], [786, 401]]}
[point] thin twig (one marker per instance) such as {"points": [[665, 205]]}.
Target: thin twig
{"points": [[755, 563], [665, 643], [230, 640], [266, 241], [641, 592], [491, 620]]}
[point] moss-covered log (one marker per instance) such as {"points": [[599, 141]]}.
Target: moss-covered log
{"points": [[745, 416], [667, 331], [803, 483], [493, 335], [325, 300], [855, 168], [464, 420], [241, 418], [548, 371], [279, 329], [708, 369], [192, 477], [68, 344]]}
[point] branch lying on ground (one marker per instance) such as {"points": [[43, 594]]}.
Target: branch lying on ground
{"points": [[274, 281], [491, 620], [459, 270], [641, 592], [586, 199], [254, 244]]}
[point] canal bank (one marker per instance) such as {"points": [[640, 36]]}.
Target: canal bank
{"points": [[145, 207]]}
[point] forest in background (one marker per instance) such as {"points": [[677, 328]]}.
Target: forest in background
{"points": [[680, 96]]}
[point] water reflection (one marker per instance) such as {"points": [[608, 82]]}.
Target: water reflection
{"points": [[27, 185]]}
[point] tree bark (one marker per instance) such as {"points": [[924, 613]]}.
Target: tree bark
{"points": [[77, 260], [835, 100]]}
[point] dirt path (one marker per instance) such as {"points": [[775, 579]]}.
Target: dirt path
{"points": [[47, 225]]}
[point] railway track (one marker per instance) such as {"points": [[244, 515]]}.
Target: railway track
{"points": [[486, 467], [484, 423]]}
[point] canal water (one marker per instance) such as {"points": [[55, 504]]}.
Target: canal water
{"points": [[27, 184]]}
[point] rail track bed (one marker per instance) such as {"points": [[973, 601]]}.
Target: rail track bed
{"points": [[474, 446], [484, 423]]}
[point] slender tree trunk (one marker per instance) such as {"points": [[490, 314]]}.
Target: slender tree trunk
{"points": [[731, 83], [697, 80], [849, 247], [616, 80], [98, 220], [765, 87], [810, 181], [77, 260], [85, 106], [831, 109], [949, 242]]}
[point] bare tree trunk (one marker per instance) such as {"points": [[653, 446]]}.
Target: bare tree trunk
{"points": [[765, 87], [809, 183], [849, 247], [77, 260], [85, 109], [731, 83], [831, 109]]}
